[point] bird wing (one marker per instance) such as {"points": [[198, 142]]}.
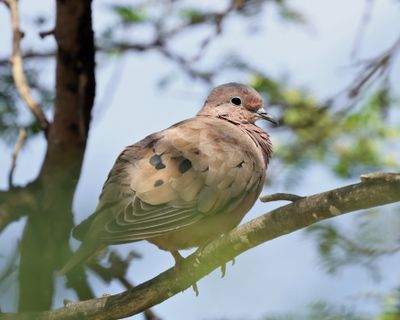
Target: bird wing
{"points": [[173, 179]]}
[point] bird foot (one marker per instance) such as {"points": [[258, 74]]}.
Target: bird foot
{"points": [[178, 259], [195, 289], [223, 270], [178, 266]]}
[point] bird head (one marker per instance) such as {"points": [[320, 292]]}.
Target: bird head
{"points": [[237, 103]]}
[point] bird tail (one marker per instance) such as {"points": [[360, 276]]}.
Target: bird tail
{"points": [[86, 250]]}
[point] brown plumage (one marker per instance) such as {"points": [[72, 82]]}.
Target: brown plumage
{"points": [[183, 186]]}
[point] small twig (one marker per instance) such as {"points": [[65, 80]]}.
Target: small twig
{"points": [[44, 34], [18, 146], [370, 72], [186, 66], [374, 67], [366, 16], [280, 197], [29, 55], [18, 68]]}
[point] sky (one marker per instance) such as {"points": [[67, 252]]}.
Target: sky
{"points": [[282, 275]]}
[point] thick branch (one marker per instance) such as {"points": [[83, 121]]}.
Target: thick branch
{"points": [[373, 191], [18, 68]]}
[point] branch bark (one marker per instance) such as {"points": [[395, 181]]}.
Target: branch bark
{"points": [[18, 68], [374, 190]]}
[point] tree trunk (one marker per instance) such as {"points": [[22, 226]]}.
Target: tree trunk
{"points": [[45, 246]]}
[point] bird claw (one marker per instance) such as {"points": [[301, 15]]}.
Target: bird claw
{"points": [[223, 270], [195, 289]]}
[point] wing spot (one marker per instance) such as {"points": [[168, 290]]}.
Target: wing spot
{"points": [[158, 183], [156, 162], [184, 166]]}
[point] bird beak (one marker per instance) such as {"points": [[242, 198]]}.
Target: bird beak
{"points": [[266, 116]]}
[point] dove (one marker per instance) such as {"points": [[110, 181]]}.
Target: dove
{"points": [[186, 185]]}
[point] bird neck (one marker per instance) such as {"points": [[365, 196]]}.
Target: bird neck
{"points": [[258, 135], [260, 138]]}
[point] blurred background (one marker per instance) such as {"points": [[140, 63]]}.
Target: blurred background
{"points": [[329, 70]]}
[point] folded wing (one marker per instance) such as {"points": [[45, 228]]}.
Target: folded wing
{"points": [[170, 180]]}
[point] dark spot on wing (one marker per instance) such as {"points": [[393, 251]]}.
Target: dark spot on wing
{"points": [[240, 164], [184, 166], [156, 162], [158, 183]]}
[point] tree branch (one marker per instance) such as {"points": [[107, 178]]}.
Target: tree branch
{"points": [[160, 42], [15, 203], [18, 68], [376, 67], [30, 55], [117, 270], [17, 148], [376, 190], [280, 197]]}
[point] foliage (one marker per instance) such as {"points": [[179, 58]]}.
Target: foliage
{"points": [[325, 311], [12, 114], [129, 14], [348, 142]]}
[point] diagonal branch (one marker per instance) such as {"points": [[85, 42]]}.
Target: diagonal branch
{"points": [[15, 202], [18, 68], [374, 190], [17, 148]]}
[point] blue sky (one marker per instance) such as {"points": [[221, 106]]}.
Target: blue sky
{"points": [[281, 275]]}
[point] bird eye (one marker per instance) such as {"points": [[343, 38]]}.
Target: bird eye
{"points": [[236, 101]]}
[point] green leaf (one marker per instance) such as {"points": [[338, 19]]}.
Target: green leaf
{"points": [[129, 14], [292, 15], [192, 16]]}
